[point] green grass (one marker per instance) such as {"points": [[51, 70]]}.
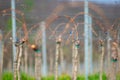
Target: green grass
{"points": [[64, 77], [26, 77], [50, 77], [97, 76], [9, 76], [80, 77]]}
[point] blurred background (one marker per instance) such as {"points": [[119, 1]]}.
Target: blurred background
{"points": [[105, 13]]}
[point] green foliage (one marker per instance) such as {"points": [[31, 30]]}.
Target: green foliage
{"points": [[51, 77], [26, 77], [97, 76], [7, 76], [64, 77], [80, 77], [93, 77], [104, 77]]}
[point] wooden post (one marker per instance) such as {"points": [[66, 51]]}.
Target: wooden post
{"points": [[56, 61], [114, 58], [73, 51], [19, 61], [58, 43], [102, 57], [15, 64], [38, 66], [76, 45]]}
